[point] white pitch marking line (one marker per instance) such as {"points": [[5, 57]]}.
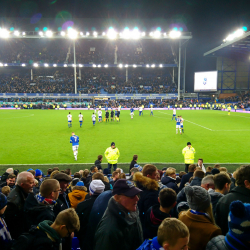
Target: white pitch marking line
{"points": [[17, 117]]}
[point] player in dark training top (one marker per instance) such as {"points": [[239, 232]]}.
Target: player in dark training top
{"points": [[107, 115], [112, 115]]}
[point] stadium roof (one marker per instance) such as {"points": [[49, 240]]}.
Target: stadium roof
{"points": [[238, 48]]}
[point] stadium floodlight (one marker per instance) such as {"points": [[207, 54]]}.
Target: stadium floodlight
{"points": [[120, 65], [49, 33], [236, 34], [23, 64], [126, 65], [153, 66], [157, 34], [46, 65], [174, 34], [80, 65], [151, 34], [95, 34], [4, 33], [73, 65], [99, 66], [81, 33], [54, 65], [143, 33], [147, 66], [63, 33], [135, 34], [126, 34], [24, 34], [1, 65], [65, 65], [72, 34], [35, 64], [134, 66], [164, 34], [5, 64], [160, 65], [16, 33], [106, 66], [103, 33], [94, 66], [239, 32], [40, 33], [87, 34], [112, 34]]}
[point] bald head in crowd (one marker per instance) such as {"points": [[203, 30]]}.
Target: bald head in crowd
{"points": [[26, 181]]}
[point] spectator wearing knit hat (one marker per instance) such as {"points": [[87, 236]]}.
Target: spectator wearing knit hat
{"points": [[83, 210], [238, 234], [199, 218], [78, 194], [5, 237]]}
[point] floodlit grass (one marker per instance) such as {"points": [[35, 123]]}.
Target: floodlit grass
{"points": [[42, 136]]}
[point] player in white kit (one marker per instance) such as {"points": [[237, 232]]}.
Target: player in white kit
{"points": [[174, 114], [80, 119], [69, 116]]}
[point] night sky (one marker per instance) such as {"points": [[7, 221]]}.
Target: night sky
{"points": [[210, 21]]}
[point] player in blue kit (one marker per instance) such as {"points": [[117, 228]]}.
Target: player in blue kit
{"points": [[178, 124], [74, 139], [132, 112], [151, 111]]}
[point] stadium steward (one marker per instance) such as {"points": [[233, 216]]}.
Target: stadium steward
{"points": [[188, 153], [112, 154]]}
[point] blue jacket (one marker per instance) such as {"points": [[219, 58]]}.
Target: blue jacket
{"points": [[170, 183], [150, 245]]}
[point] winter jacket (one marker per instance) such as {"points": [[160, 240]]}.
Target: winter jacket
{"points": [[15, 204], [36, 212], [150, 245], [4, 177], [215, 196], [185, 178], [77, 195], [62, 203], [154, 217], [222, 208], [149, 194], [83, 210], [196, 181], [112, 155], [118, 229], [132, 165], [201, 229], [98, 164], [170, 183], [220, 243], [188, 154]]}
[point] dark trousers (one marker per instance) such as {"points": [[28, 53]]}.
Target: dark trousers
{"points": [[186, 167], [110, 167]]}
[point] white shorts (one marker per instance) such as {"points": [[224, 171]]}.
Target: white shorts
{"points": [[75, 148], [132, 113], [178, 126]]}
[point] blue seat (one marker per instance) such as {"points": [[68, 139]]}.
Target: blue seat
{"points": [[75, 244]]}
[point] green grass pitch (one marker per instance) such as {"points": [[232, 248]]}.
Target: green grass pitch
{"points": [[42, 136]]}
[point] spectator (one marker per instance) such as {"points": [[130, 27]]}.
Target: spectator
{"points": [[199, 218], [54, 173], [198, 176], [78, 194], [222, 184], [112, 154], [68, 171], [185, 178], [77, 175], [15, 204], [215, 171], [157, 213], [49, 171], [85, 175], [169, 180], [115, 177], [120, 227], [122, 176], [100, 176], [223, 169], [209, 170], [93, 170], [40, 207], [238, 235], [47, 235], [98, 162], [83, 210], [6, 190], [5, 175], [10, 181], [172, 234], [5, 237], [132, 172], [133, 162], [188, 153], [217, 166], [241, 192], [201, 165], [146, 181]]}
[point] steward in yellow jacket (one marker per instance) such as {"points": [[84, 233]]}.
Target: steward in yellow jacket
{"points": [[112, 154], [188, 153]]}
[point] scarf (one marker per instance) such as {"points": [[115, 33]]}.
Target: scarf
{"points": [[45, 226], [45, 200]]}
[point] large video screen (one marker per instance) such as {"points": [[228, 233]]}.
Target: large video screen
{"points": [[205, 81]]}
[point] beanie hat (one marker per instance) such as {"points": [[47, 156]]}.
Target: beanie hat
{"points": [[79, 184], [239, 220], [215, 171], [197, 198], [112, 144], [38, 172], [29, 169], [74, 181], [189, 143], [96, 187], [3, 201]]}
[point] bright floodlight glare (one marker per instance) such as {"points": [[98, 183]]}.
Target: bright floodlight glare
{"points": [[111, 33], [239, 32], [160, 65], [80, 65], [120, 65], [1, 65], [54, 65], [46, 65], [99, 65], [94, 66], [174, 34], [16, 33], [151, 33], [135, 34], [95, 34], [40, 33], [81, 33], [72, 34], [73, 65], [4, 33], [147, 66], [23, 64], [49, 33], [153, 66], [65, 65], [157, 34], [143, 33], [106, 66], [63, 33], [103, 33], [5, 64], [24, 34], [126, 33], [35, 64], [126, 65], [134, 65], [87, 34]]}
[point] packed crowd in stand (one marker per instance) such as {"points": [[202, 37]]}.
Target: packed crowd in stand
{"points": [[149, 208]]}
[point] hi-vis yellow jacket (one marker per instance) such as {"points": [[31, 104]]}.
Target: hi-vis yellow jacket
{"points": [[188, 154], [112, 155]]}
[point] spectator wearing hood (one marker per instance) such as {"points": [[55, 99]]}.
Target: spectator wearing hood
{"points": [[83, 210], [199, 218], [78, 194], [238, 235], [169, 180], [157, 213]]}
